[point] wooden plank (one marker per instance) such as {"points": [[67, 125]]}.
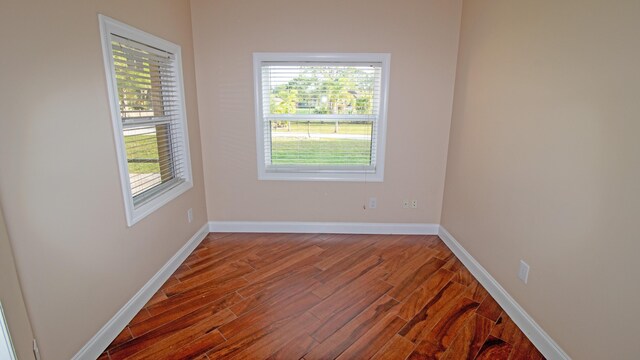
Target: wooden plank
{"points": [[398, 348], [156, 298], [420, 325], [277, 292], [283, 264], [271, 254], [490, 309], [348, 311], [419, 298], [344, 279], [212, 302], [264, 316], [269, 344], [426, 350], [304, 269], [212, 266], [221, 274], [209, 289], [505, 329], [494, 349], [359, 289], [347, 261], [396, 260], [469, 339], [524, 349], [122, 338], [408, 279], [443, 251], [374, 339], [140, 316], [295, 349], [476, 292], [453, 320], [172, 335], [197, 347], [250, 328], [348, 334]]}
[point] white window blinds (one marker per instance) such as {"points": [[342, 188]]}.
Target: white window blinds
{"points": [[144, 76], [320, 116], [150, 114]]}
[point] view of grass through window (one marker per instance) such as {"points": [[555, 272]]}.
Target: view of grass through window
{"points": [[142, 154], [321, 143], [143, 159], [321, 115]]}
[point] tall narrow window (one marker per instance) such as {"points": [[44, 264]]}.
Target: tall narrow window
{"points": [[145, 80], [321, 116]]}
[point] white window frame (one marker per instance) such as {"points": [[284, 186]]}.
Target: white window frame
{"points": [[376, 175], [7, 350], [135, 213]]}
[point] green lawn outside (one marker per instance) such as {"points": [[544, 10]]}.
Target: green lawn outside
{"points": [[324, 128], [305, 111], [285, 150], [323, 151], [142, 147]]}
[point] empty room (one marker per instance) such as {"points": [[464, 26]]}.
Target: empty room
{"points": [[355, 179]]}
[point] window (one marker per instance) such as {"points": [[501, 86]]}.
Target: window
{"points": [[144, 76], [7, 350], [321, 116]]}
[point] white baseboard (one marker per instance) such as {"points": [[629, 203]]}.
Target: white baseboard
{"points": [[102, 339], [323, 227], [549, 348]]}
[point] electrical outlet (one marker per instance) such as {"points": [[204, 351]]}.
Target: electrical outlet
{"points": [[373, 203], [414, 204], [523, 272], [405, 204], [190, 215]]}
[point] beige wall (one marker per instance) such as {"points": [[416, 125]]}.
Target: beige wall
{"points": [[59, 187], [544, 163], [11, 298], [422, 38]]}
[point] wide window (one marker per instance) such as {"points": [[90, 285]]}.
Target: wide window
{"points": [[321, 116], [145, 80]]}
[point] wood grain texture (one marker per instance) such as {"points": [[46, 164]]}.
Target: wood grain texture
{"points": [[448, 327], [419, 298], [469, 339], [494, 349], [490, 309], [398, 348], [321, 296]]}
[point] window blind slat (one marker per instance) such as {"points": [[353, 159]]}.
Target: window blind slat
{"points": [[320, 116], [150, 109], [138, 47]]}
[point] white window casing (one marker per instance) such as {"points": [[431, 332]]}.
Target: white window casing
{"points": [[321, 116], [7, 350], [146, 96]]}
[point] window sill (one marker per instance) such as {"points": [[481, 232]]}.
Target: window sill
{"points": [[135, 214], [310, 176]]}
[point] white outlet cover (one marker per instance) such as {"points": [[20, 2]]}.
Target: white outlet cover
{"points": [[373, 203], [190, 215], [405, 204], [523, 272]]}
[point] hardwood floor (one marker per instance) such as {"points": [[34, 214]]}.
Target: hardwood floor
{"points": [[319, 296]]}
